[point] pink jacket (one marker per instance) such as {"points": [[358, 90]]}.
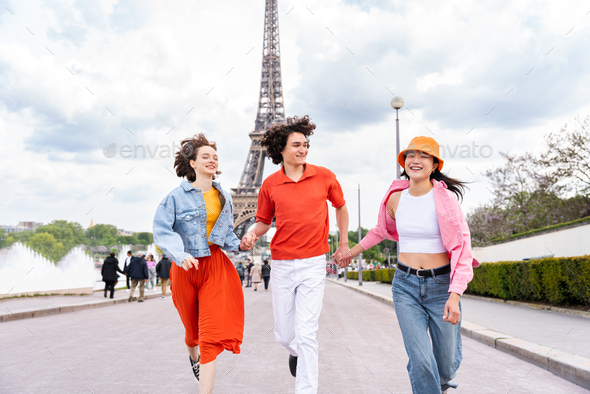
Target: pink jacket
{"points": [[453, 228]]}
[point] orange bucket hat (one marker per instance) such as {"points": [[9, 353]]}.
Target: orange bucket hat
{"points": [[423, 144]]}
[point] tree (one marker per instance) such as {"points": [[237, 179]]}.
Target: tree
{"points": [[525, 189], [70, 234], [46, 245], [568, 152], [100, 232], [3, 238], [145, 238]]}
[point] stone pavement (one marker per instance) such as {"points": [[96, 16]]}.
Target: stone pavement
{"points": [[139, 348], [564, 332], [27, 307], [510, 320]]}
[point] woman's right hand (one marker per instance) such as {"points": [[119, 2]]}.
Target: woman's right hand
{"points": [[189, 262]]}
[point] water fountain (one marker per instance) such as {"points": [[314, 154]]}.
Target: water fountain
{"points": [[24, 271], [152, 249]]}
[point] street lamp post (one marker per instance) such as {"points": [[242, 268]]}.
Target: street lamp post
{"points": [[360, 256], [345, 268], [396, 103]]}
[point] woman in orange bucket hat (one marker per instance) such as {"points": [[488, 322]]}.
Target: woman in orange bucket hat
{"points": [[422, 213]]}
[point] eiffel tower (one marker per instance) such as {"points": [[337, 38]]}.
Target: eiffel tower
{"points": [[270, 112]]}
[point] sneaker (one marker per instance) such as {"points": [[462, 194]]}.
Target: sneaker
{"points": [[196, 366], [163, 296], [129, 299], [293, 365], [140, 301]]}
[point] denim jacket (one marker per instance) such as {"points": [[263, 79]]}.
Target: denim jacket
{"points": [[180, 224], [453, 228]]}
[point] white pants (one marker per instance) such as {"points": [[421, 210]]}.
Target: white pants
{"points": [[297, 294]]}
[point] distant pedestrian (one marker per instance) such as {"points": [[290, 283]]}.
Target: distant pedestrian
{"points": [[151, 264], [256, 275], [163, 272], [109, 270], [266, 274], [138, 271], [249, 266], [240, 269], [127, 261]]}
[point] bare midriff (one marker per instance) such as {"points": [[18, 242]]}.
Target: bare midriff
{"points": [[424, 260]]}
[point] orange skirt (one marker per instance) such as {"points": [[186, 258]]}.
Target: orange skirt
{"points": [[210, 302]]}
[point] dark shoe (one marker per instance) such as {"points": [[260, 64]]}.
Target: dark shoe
{"points": [[140, 301], [254, 289], [196, 366], [293, 365], [105, 295], [129, 299]]}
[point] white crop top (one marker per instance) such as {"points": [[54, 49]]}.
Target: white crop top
{"points": [[417, 224]]}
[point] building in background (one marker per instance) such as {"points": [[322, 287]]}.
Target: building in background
{"points": [[22, 226]]}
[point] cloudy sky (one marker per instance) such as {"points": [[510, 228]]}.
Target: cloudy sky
{"points": [[79, 76]]}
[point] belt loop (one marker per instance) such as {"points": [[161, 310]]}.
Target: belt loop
{"points": [[432, 273]]}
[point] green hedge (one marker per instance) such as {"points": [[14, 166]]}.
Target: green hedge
{"points": [[555, 280], [383, 275]]}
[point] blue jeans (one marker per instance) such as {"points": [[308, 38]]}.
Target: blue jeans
{"points": [[419, 305]]}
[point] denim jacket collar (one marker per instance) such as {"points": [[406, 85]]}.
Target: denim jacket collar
{"points": [[187, 186]]}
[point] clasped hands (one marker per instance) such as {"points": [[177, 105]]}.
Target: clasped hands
{"points": [[343, 256]]}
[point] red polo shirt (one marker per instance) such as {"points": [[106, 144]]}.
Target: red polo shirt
{"points": [[301, 211]]}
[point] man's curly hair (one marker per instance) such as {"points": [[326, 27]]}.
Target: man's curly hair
{"points": [[275, 139]]}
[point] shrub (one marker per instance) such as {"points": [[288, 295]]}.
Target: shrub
{"points": [[554, 280], [384, 275]]}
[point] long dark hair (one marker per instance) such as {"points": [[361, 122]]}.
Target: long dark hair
{"points": [[456, 186]]}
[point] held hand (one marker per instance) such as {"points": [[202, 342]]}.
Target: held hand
{"points": [[189, 262], [248, 241], [343, 256], [452, 313]]}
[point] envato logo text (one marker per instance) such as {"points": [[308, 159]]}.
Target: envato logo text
{"points": [[142, 151], [466, 152]]}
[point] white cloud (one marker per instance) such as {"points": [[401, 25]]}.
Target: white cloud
{"points": [[150, 65]]}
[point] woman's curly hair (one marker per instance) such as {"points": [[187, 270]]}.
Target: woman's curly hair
{"points": [[189, 148], [275, 139]]}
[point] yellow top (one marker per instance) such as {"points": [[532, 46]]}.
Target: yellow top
{"points": [[213, 206]]}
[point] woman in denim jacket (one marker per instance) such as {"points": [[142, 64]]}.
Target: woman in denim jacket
{"points": [[191, 224], [434, 263]]}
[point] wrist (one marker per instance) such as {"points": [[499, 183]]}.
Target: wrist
{"points": [[454, 296]]}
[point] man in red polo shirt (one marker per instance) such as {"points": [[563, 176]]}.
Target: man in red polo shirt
{"points": [[296, 195]]}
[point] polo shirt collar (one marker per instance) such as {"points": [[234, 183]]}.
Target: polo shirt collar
{"points": [[307, 173]]}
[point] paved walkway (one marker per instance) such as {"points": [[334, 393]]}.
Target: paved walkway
{"points": [[19, 303], [556, 330], [361, 351]]}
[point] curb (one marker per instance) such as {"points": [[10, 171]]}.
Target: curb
{"points": [[55, 310], [571, 367]]}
